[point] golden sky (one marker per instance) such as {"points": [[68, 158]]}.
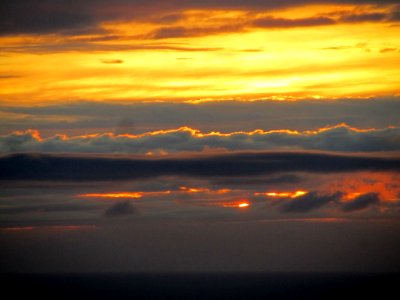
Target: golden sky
{"points": [[208, 53], [200, 136]]}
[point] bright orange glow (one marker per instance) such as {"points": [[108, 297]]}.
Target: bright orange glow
{"points": [[184, 189], [114, 195], [138, 195], [387, 185], [283, 194], [352, 196], [206, 55], [237, 204], [133, 195]]}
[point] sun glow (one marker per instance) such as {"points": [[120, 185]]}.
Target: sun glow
{"points": [[201, 55]]}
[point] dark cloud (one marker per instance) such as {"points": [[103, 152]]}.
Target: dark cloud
{"points": [[395, 14], [180, 31], [357, 18], [6, 76], [42, 16], [271, 22], [361, 202], [248, 182], [170, 18], [120, 209], [44, 208], [309, 202], [95, 167], [112, 61], [76, 17]]}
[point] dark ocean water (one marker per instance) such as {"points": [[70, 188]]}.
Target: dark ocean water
{"points": [[200, 286]]}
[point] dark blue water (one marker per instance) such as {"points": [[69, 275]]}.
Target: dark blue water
{"points": [[201, 286]]}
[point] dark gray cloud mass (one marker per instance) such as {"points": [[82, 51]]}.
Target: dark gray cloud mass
{"points": [[43, 208], [93, 168], [74, 17], [310, 202], [283, 23], [120, 209]]}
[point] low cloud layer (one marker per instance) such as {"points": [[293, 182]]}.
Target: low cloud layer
{"points": [[309, 202], [93, 168], [120, 209], [337, 138]]}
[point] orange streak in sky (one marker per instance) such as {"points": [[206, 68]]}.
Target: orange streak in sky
{"points": [[237, 204], [283, 194], [113, 195], [185, 189], [137, 195]]}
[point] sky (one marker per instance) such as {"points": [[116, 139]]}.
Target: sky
{"points": [[221, 136]]}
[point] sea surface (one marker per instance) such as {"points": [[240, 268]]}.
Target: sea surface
{"points": [[200, 286]]}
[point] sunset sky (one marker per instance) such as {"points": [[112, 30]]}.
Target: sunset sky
{"points": [[197, 135]]}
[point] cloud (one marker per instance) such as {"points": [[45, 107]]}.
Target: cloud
{"points": [[270, 22], [180, 31], [258, 182], [385, 50], [112, 61], [120, 209], [77, 168], [227, 116], [42, 16], [45, 208], [361, 202], [395, 14], [367, 17], [336, 138], [309, 202], [79, 17]]}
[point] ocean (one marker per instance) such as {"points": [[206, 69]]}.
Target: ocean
{"points": [[200, 286]]}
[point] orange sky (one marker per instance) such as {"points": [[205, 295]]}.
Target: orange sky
{"points": [[203, 54]]}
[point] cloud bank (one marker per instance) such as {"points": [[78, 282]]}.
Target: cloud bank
{"points": [[337, 138], [45, 16], [93, 168]]}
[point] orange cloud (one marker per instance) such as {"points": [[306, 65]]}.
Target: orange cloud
{"points": [[89, 63], [113, 195], [283, 194], [386, 185], [237, 204]]}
